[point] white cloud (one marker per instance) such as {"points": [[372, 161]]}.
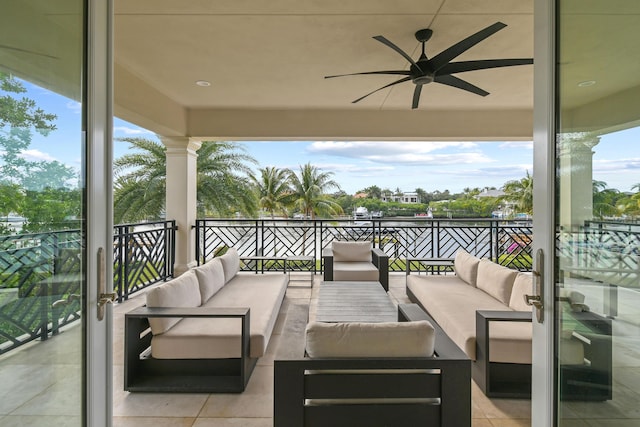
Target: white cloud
{"points": [[131, 131], [517, 145], [403, 152], [74, 106], [36, 155], [617, 166]]}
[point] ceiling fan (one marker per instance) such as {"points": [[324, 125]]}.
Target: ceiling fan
{"points": [[439, 69]]}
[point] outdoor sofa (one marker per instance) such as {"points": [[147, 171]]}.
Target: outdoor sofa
{"points": [[483, 310], [204, 330], [355, 261], [405, 373]]}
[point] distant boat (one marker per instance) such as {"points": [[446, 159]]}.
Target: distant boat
{"points": [[361, 213], [428, 214]]}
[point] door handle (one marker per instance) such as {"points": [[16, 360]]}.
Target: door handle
{"points": [[537, 299], [103, 298]]}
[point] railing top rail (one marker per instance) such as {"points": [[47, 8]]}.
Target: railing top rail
{"points": [[374, 220]]}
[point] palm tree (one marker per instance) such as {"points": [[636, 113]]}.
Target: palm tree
{"points": [[273, 189], [140, 185], [521, 193], [309, 192]]}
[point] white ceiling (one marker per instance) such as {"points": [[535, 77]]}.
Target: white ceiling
{"points": [[266, 61], [270, 58]]}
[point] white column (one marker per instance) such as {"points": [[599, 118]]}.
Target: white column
{"points": [[181, 194], [575, 156]]}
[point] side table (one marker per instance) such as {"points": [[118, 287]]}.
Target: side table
{"points": [[300, 263]]}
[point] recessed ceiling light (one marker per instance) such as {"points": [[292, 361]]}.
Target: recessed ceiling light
{"points": [[203, 83], [587, 83]]}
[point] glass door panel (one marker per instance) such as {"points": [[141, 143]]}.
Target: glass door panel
{"points": [[597, 271], [43, 291]]}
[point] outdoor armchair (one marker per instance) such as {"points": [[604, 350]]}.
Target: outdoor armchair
{"points": [[355, 261]]}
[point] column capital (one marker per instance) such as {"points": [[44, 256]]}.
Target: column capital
{"points": [[577, 143], [179, 143]]}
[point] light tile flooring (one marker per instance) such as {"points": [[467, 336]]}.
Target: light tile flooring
{"points": [[254, 407], [38, 382]]}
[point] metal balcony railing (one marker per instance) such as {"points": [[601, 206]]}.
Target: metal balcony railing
{"points": [[508, 243], [41, 276]]}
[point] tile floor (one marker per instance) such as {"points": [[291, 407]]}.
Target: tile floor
{"points": [[254, 407], [30, 376]]}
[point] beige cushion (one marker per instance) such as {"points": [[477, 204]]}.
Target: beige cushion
{"points": [[182, 291], [466, 266], [522, 285], [207, 338], [230, 263], [385, 339], [350, 271], [496, 280], [453, 303], [210, 278], [571, 349], [351, 251]]}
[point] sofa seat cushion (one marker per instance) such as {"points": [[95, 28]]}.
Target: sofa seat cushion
{"points": [[207, 338], [453, 304], [383, 339], [354, 270]]}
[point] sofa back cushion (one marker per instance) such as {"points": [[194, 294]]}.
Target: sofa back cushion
{"points": [[351, 251], [466, 266], [183, 291], [230, 263], [522, 285], [210, 278], [384, 339], [496, 280]]}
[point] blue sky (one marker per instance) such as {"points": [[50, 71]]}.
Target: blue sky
{"points": [[406, 165]]}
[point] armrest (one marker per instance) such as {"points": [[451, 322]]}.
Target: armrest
{"points": [[185, 312], [136, 322], [327, 264], [381, 261], [483, 317]]}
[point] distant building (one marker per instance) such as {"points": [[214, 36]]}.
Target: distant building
{"points": [[408, 197], [490, 193]]}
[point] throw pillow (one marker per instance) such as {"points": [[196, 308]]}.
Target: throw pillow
{"points": [[466, 266], [210, 278]]}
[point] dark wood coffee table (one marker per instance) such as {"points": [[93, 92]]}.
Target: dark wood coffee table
{"points": [[355, 302]]}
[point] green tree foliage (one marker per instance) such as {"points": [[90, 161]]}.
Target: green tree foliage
{"points": [[223, 185], [273, 191], [521, 193], [372, 192], [23, 112], [38, 190], [51, 209], [310, 192]]}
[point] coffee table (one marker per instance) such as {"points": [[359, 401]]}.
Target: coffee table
{"points": [[354, 302]]}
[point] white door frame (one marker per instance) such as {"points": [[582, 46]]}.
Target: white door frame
{"points": [[99, 222], [543, 390]]}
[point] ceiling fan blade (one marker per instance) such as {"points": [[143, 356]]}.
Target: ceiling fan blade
{"points": [[416, 97], [385, 41], [461, 67], [443, 58], [400, 72], [460, 84], [17, 49], [405, 79]]}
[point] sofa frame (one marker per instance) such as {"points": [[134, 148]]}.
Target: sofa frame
{"points": [[445, 376], [143, 373], [378, 258], [513, 380]]}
